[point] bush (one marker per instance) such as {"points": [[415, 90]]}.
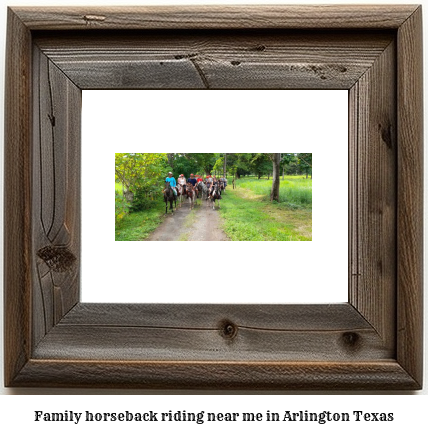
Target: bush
{"points": [[141, 202], [121, 207]]}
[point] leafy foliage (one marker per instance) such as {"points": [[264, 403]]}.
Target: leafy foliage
{"points": [[141, 171], [140, 202], [121, 207]]}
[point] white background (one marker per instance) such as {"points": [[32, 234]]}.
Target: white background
{"points": [[232, 121], [16, 412]]}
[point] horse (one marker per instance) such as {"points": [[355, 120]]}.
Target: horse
{"points": [[199, 189], [169, 196], [222, 187], [215, 195], [181, 192], [204, 191], [191, 194]]}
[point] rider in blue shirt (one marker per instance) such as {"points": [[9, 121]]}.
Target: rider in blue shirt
{"points": [[172, 182], [192, 180]]}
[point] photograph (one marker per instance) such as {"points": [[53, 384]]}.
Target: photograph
{"points": [[213, 196]]}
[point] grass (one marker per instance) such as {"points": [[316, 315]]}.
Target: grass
{"points": [[248, 214], [139, 225], [190, 221], [294, 192]]}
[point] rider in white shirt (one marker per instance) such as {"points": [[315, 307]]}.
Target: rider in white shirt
{"points": [[182, 182]]}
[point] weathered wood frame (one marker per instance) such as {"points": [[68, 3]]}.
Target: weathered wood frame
{"points": [[372, 342]]}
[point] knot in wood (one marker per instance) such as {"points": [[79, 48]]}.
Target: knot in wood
{"points": [[351, 340], [58, 259], [258, 48], [227, 329], [386, 134], [94, 18]]}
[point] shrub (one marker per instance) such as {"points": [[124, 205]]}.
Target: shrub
{"points": [[121, 207], [141, 201]]}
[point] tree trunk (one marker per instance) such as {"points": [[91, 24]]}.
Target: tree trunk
{"points": [[224, 166], [275, 177], [129, 196], [170, 160]]}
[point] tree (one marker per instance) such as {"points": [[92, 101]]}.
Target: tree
{"points": [[242, 162], [305, 161], [219, 164], [140, 171], [276, 159], [290, 164], [261, 164], [171, 158], [184, 164], [205, 160]]}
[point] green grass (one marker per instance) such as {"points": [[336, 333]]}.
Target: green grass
{"points": [[139, 225], [191, 219], [294, 191], [248, 214]]}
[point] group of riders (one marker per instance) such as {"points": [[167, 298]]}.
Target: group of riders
{"points": [[210, 184]]}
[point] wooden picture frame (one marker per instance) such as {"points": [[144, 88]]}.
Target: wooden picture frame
{"points": [[372, 342]]}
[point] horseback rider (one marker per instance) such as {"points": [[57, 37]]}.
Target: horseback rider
{"points": [[170, 178], [209, 183], [214, 183], [182, 181], [192, 180]]}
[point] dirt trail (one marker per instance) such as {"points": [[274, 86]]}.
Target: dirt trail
{"points": [[200, 224]]}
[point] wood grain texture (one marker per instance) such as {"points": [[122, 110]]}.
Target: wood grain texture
{"points": [[373, 179], [386, 375], [55, 194], [216, 59], [410, 197], [217, 17], [340, 317], [374, 342], [17, 199], [199, 332]]}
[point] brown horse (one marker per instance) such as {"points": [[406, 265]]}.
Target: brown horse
{"points": [[191, 194], [169, 196]]}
